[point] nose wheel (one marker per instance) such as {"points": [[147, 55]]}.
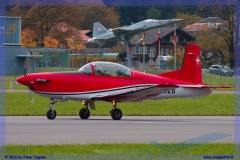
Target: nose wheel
{"points": [[51, 113]]}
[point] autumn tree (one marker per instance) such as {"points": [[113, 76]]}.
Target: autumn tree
{"points": [[51, 42], [45, 20], [219, 41], [227, 31], [42, 20], [20, 11], [213, 47], [28, 38], [108, 16]]}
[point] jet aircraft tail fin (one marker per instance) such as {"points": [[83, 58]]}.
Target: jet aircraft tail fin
{"points": [[191, 70], [98, 29]]}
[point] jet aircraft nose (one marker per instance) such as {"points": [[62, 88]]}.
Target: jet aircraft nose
{"points": [[177, 20], [168, 21], [23, 80]]}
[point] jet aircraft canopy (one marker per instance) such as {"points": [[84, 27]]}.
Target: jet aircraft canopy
{"points": [[105, 69]]}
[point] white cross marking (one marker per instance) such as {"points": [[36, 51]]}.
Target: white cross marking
{"points": [[198, 60]]}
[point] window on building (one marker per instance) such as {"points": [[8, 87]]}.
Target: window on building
{"points": [[147, 49], [171, 39], [153, 50], [140, 49], [167, 51], [162, 51]]}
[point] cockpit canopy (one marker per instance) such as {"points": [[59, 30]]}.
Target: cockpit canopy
{"points": [[105, 69]]}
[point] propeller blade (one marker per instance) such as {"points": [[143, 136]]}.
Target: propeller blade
{"points": [[32, 99], [13, 84], [28, 55]]}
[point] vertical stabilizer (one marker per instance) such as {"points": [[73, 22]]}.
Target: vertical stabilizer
{"points": [[191, 70], [98, 29]]}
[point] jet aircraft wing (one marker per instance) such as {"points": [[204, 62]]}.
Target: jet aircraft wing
{"points": [[137, 94], [118, 31]]}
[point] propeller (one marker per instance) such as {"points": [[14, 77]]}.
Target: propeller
{"points": [[28, 55], [14, 83], [32, 99], [26, 72]]}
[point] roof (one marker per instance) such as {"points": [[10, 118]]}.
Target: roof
{"points": [[196, 27], [94, 51], [80, 33], [83, 34], [109, 54], [153, 35], [212, 20], [207, 23]]}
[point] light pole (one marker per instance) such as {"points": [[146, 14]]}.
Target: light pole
{"points": [[72, 43]]}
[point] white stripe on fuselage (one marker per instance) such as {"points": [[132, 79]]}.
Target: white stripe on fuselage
{"points": [[183, 92], [97, 93]]}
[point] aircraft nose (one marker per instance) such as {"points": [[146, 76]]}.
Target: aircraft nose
{"points": [[23, 80], [177, 20]]}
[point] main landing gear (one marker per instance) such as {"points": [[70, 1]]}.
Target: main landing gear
{"points": [[51, 113], [84, 113], [116, 113]]}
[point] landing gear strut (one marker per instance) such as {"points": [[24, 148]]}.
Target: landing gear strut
{"points": [[116, 113], [51, 113], [84, 113]]}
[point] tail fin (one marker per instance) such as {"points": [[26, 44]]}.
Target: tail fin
{"points": [[98, 29], [191, 68]]}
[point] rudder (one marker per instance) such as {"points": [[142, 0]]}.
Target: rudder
{"points": [[98, 29], [191, 70]]}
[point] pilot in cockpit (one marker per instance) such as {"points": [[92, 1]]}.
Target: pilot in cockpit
{"points": [[120, 72]]}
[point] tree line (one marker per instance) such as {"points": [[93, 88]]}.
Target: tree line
{"points": [[52, 26]]}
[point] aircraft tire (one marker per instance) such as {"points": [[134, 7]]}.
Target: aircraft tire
{"points": [[51, 115], [84, 113], [116, 114]]}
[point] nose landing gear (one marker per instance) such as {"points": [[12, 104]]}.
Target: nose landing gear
{"points": [[51, 113]]}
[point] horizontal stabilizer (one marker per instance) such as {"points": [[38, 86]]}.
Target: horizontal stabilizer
{"points": [[217, 87], [203, 86]]}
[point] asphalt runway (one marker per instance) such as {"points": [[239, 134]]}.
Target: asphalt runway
{"points": [[130, 129]]}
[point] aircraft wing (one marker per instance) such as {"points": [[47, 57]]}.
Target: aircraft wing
{"points": [[137, 94], [118, 31]]}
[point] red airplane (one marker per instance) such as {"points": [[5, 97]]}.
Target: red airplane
{"points": [[112, 82]]}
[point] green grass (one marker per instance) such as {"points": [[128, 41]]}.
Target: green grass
{"points": [[18, 104], [137, 149], [212, 79]]}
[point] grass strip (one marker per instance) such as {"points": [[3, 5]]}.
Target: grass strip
{"points": [[124, 148], [18, 104]]}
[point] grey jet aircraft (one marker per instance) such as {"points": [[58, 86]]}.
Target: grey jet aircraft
{"points": [[101, 35]]}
